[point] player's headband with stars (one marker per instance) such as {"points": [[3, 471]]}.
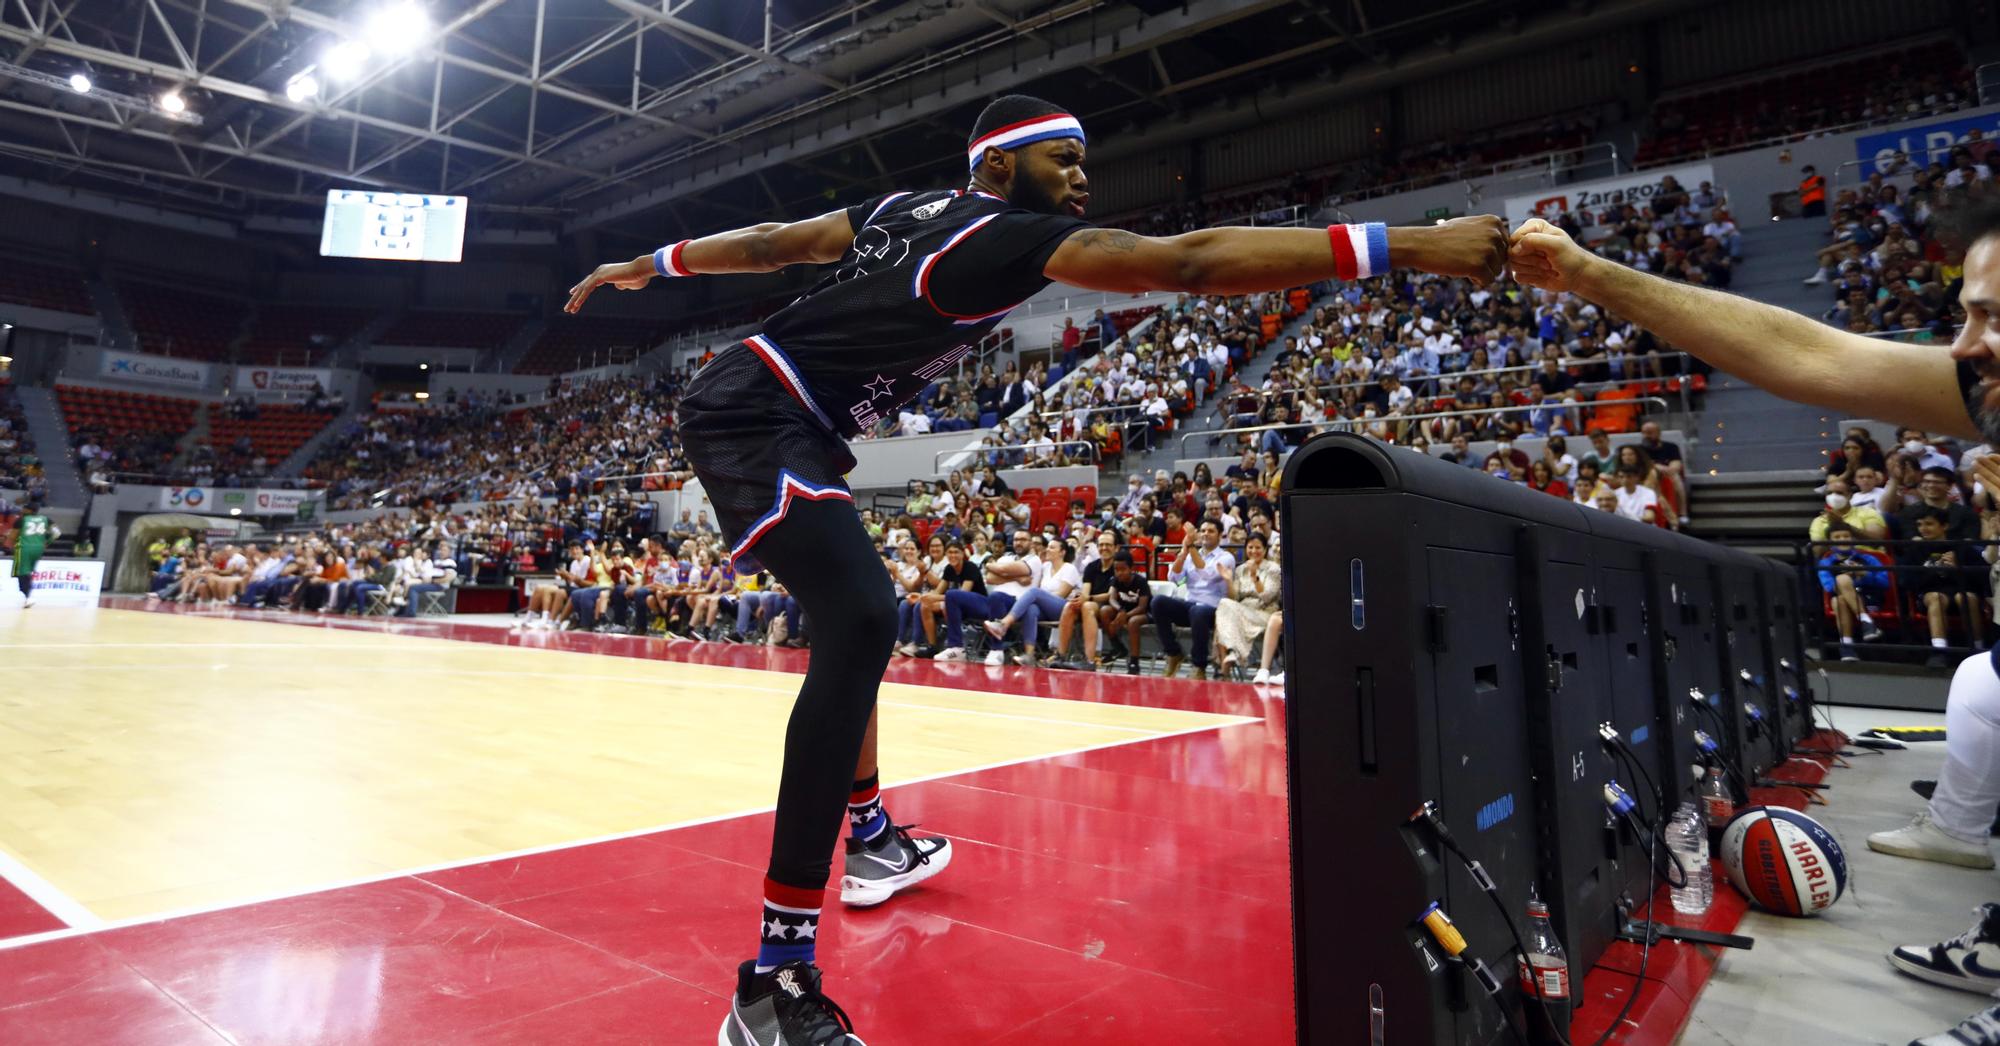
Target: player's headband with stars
{"points": [[1016, 135]]}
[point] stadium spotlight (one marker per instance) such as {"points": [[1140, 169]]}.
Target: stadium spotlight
{"points": [[423, 366], [236, 512], [398, 28], [172, 101], [423, 395], [302, 87], [343, 60], [79, 83]]}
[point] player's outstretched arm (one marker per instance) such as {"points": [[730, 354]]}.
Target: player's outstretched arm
{"points": [[1776, 349], [1233, 260], [766, 247]]}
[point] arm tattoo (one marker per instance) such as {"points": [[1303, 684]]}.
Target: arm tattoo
{"points": [[1110, 241]]}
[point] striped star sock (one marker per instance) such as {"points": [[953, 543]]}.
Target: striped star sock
{"points": [[867, 822], [791, 925]]}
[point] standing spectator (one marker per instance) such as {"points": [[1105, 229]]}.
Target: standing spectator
{"points": [[1205, 571], [1812, 193]]}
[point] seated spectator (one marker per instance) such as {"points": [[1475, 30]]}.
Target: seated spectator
{"points": [[1005, 578], [1589, 485], [1241, 616], [1514, 462], [1044, 599], [1204, 569], [1543, 478], [1853, 579], [1937, 492], [1942, 574], [1636, 501]]}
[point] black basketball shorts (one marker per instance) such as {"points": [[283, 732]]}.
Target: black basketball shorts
{"points": [[756, 447]]}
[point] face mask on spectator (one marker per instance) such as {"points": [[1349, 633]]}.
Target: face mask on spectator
{"points": [[1837, 502], [1915, 446], [1504, 446]]}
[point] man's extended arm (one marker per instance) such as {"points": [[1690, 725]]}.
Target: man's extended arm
{"points": [[1775, 349], [766, 247], [1241, 260]]}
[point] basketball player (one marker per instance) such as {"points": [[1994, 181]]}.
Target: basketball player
{"points": [[32, 534], [920, 277], [1954, 390]]}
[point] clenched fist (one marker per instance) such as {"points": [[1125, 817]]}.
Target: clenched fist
{"points": [[1474, 246], [1544, 256]]}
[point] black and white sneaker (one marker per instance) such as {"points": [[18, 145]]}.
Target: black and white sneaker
{"points": [[1969, 962], [874, 875], [784, 1008], [1980, 1029]]}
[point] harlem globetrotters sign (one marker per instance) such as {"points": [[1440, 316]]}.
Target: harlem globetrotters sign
{"points": [[1594, 198]]}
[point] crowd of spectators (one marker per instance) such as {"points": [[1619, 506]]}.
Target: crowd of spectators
{"points": [[1886, 269], [1904, 537], [1305, 193], [477, 447], [1144, 384], [1873, 89], [20, 468]]}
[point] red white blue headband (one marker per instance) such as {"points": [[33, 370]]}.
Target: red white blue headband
{"points": [[1016, 135]]}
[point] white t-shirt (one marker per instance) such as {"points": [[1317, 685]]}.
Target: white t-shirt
{"points": [[1632, 504], [1015, 588], [1052, 581], [1867, 498]]}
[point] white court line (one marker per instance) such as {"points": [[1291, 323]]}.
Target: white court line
{"points": [[100, 926], [44, 893]]}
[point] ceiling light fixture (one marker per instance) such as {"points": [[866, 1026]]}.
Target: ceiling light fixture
{"points": [[399, 28], [79, 83], [303, 87], [172, 102], [343, 61]]}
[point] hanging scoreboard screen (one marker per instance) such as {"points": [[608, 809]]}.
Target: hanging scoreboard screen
{"points": [[365, 223]]}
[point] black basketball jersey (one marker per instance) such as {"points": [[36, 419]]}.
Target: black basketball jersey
{"points": [[929, 274]]}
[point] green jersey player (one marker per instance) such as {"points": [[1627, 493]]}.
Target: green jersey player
{"points": [[32, 534]]}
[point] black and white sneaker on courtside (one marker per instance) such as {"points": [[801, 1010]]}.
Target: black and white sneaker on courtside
{"points": [[1969, 962], [1980, 1029], [874, 875], [784, 1008]]}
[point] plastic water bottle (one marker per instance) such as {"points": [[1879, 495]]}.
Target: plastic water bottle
{"points": [[1716, 805], [1687, 837], [1544, 971]]}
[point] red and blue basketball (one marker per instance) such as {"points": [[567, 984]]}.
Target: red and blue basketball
{"points": [[1785, 862]]}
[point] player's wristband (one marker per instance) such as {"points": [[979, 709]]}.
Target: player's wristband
{"points": [[1359, 251], [667, 260]]}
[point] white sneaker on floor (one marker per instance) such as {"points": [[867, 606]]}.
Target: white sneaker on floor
{"points": [[1924, 841], [1261, 677], [1969, 962], [996, 658], [1277, 679], [950, 653], [1980, 1029]]}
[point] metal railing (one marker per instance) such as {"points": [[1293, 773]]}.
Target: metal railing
{"points": [[1351, 424], [985, 453], [1900, 613], [1451, 377], [1545, 166]]}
